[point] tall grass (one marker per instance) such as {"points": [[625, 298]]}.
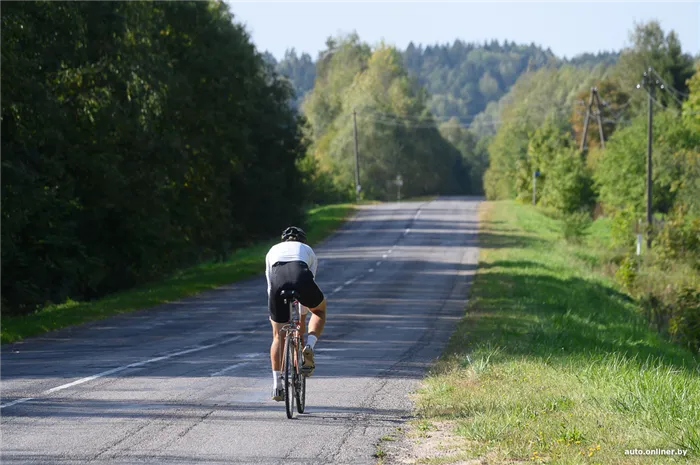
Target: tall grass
{"points": [[553, 363]]}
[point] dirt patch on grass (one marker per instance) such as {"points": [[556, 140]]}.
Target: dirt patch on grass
{"points": [[427, 443]]}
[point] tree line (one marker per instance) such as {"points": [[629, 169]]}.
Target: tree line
{"points": [[541, 130], [397, 135], [463, 83], [138, 138]]}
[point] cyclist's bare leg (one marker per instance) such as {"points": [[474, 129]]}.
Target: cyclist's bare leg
{"points": [[302, 326], [318, 319], [277, 345]]}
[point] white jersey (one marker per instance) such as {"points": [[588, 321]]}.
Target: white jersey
{"points": [[290, 251]]}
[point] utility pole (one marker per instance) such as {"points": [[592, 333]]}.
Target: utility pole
{"points": [[650, 219], [585, 123], [589, 110], [600, 121], [649, 84], [357, 158], [534, 186], [399, 183]]}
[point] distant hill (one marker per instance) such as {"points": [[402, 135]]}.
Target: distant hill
{"points": [[299, 69], [462, 78]]}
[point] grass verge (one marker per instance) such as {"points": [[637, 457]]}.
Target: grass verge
{"points": [[552, 363], [243, 263]]}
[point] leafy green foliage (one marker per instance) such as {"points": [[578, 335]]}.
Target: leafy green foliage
{"points": [[546, 95], [474, 154], [679, 240], [137, 138], [685, 322], [463, 78], [396, 133], [674, 158], [651, 47], [243, 263], [623, 228], [542, 127]]}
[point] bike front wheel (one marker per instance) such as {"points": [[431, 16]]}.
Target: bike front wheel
{"points": [[300, 385], [289, 371]]}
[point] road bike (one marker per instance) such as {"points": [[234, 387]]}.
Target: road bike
{"points": [[292, 358]]}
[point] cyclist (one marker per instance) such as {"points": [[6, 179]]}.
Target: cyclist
{"points": [[292, 264]]}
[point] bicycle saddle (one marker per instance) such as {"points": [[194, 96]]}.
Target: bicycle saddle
{"points": [[289, 294]]}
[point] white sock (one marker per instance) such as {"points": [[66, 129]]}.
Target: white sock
{"points": [[276, 375], [311, 340]]}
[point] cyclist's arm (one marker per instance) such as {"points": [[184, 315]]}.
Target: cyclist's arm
{"points": [[314, 263], [268, 270]]}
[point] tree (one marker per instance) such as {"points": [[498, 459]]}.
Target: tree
{"points": [[397, 134], [128, 148], [651, 47]]}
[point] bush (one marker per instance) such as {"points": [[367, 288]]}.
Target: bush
{"points": [[626, 273], [575, 226], [679, 240], [569, 184], [622, 229], [684, 326]]}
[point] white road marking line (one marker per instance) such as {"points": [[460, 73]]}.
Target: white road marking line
{"points": [[385, 255], [371, 270], [415, 217], [390, 250], [18, 401], [227, 369], [253, 355], [350, 281], [408, 230], [122, 368], [136, 365], [379, 263], [337, 289]]}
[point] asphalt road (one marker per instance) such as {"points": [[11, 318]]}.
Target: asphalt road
{"points": [[189, 382]]}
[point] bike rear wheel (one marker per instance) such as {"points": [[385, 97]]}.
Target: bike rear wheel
{"points": [[289, 371], [300, 385]]}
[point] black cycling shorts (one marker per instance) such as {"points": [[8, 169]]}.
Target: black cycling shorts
{"points": [[292, 276]]}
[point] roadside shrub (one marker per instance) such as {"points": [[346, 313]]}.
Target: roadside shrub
{"points": [[684, 325], [622, 231], [569, 186], [626, 273], [679, 240], [575, 226]]}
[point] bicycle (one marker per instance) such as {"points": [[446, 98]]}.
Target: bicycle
{"points": [[292, 358]]}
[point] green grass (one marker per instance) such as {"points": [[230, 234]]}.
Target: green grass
{"points": [[552, 363], [243, 263]]}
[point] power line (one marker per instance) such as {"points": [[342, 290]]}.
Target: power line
{"points": [[674, 110], [670, 88]]}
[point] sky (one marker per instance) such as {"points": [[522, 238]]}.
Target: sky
{"points": [[568, 28]]}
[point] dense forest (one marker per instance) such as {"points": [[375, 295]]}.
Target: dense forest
{"points": [[464, 86], [461, 78], [137, 138], [398, 135]]}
